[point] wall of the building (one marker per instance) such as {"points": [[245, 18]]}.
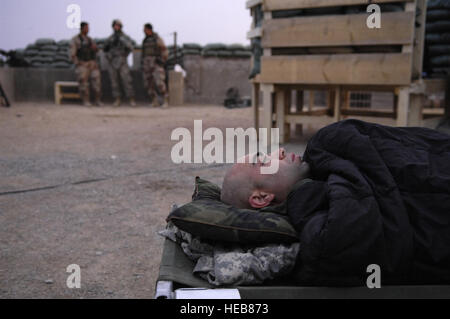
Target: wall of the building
{"points": [[208, 79], [7, 82]]}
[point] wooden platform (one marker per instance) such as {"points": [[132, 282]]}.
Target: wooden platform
{"points": [[337, 52], [60, 94]]}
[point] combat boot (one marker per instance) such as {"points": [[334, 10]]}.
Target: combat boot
{"points": [[86, 101], [98, 101], [85, 98], [117, 101], [165, 104]]}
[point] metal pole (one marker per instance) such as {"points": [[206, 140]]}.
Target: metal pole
{"points": [[175, 46]]}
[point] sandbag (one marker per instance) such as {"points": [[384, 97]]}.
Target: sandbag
{"points": [[438, 4], [192, 46], [40, 65], [235, 47], [42, 59], [191, 52], [215, 47], [31, 52], [438, 49], [62, 43], [442, 71], [242, 54], [439, 14], [438, 26], [172, 48], [45, 41], [32, 47], [60, 65], [209, 53], [224, 53], [47, 53], [437, 38], [440, 61]]}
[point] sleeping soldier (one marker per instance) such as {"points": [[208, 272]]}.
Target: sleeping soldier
{"points": [[83, 52], [362, 194]]}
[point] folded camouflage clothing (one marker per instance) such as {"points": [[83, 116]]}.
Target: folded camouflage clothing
{"points": [[225, 264]]}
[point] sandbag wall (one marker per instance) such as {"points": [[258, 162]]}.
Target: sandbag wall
{"points": [[47, 53], [210, 50], [437, 39]]}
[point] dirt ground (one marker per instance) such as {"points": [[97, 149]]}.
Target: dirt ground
{"points": [[92, 186]]}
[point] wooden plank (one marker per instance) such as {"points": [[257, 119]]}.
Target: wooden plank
{"points": [[337, 104], [280, 114], [255, 105], [403, 106], [176, 88], [352, 69], [338, 30], [368, 112], [67, 83], [57, 89], [254, 33], [267, 91], [252, 3], [301, 119], [435, 112], [272, 5]]}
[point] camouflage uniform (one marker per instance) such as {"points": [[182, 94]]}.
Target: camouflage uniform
{"points": [[234, 264], [117, 47], [83, 55], [154, 55]]}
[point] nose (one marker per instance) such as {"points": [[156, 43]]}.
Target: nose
{"points": [[280, 153]]}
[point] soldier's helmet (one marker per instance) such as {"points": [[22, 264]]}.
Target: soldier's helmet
{"points": [[117, 21]]}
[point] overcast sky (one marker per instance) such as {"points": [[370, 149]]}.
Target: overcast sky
{"points": [[198, 21]]}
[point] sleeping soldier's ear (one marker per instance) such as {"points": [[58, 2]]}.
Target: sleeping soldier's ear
{"points": [[260, 199]]}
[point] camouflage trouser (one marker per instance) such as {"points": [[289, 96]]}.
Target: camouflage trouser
{"points": [[84, 71], [124, 72], [154, 78]]}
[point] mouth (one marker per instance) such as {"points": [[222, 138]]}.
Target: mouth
{"points": [[294, 157]]}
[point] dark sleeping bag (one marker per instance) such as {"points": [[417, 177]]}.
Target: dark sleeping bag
{"points": [[379, 195]]}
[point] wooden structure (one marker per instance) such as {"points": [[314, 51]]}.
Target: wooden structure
{"points": [[176, 88], [337, 53], [60, 94]]}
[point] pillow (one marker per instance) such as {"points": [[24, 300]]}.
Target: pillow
{"points": [[209, 218]]}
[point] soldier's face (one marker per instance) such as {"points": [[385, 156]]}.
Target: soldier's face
{"points": [[291, 169], [117, 27], [85, 29], [148, 32]]}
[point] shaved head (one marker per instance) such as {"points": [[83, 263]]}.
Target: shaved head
{"points": [[237, 187], [244, 186]]}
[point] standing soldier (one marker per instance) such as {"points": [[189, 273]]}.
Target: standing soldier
{"points": [[83, 52], [154, 56], [117, 47]]}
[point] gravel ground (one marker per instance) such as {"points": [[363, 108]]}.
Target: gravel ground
{"points": [[92, 186]]}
